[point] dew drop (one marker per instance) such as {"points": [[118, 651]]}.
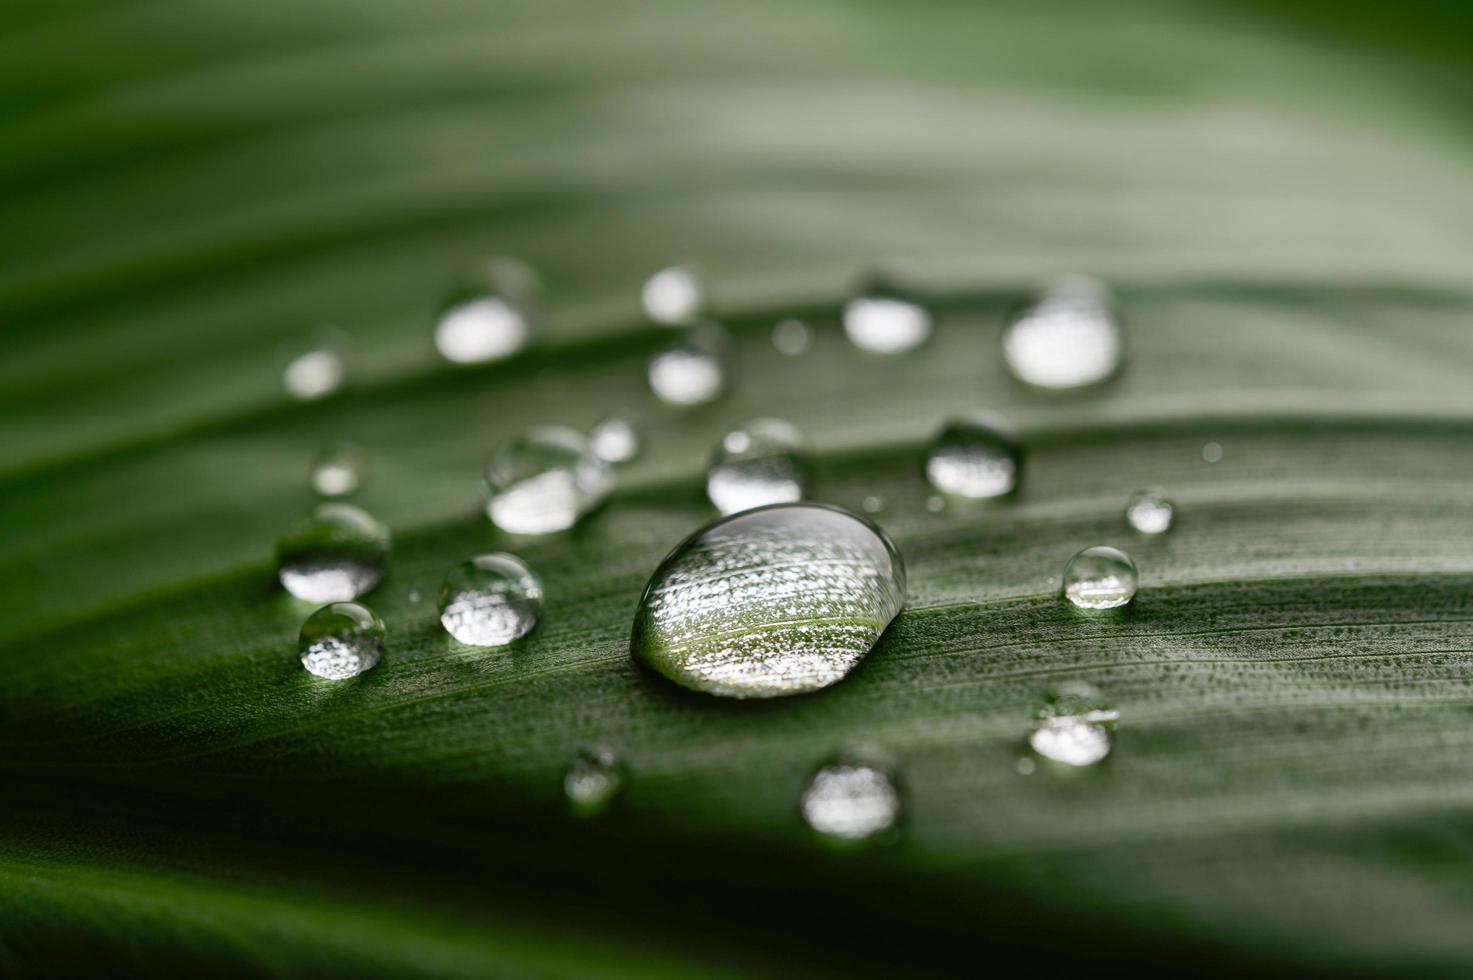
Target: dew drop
{"points": [[1073, 726], [674, 295], [341, 640], [935, 504], [1069, 338], [873, 505], [977, 457], [1100, 578], [490, 600], [614, 440], [763, 462], [316, 366], [885, 319], [1149, 512], [692, 371], [769, 602], [792, 337], [593, 781], [544, 481], [1212, 452], [848, 800], [491, 315], [338, 470], [338, 552]]}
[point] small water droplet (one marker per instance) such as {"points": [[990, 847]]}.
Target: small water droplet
{"points": [[935, 504], [338, 470], [1212, 452], [873, 505], [1026, 766], [851, 800], [614, 440], [977, 457], [1149, 512], [341, 640], [692, 371], [338, 552], [491, 315], [769, 602], [490, 600], [544, 481], [1069, 338], [886, 319], [792, 337], [316, 366], [593, 781], [674, 295], [765, 461], [414, 596], [1073, 726], [1100, 578]]}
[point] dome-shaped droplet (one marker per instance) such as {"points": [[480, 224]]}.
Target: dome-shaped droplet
{"points": [[763, 462], [850, 800], [792, 337], [490, 315], [490, 600], [674, 295], [976, 457], [338, 552], [1149, 512], [692, 371], [315, 366], [1069, 338], [593, 781], [1074, 726], [614, 440], [886, 319], [545, 480], [339, 470], [779, 600], [1100, 578], [341, 640]]}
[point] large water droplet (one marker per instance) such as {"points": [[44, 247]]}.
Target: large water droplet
{"points": [[975, 457], [544, 480], [692, 371], [593, 781], [674, 295], [491, 315], [1100, 578], [316, 366], [490, 600], [614, 440], [886, 319], [341, 640], [1069, 338], [1074, 726], [850, 800], [338, 470], [338, 552], [1149, 512], [792, 337], [763, 462], [780, 600]]}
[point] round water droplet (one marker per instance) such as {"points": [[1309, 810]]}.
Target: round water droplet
{"points": [[848, 800], [1069, 338], [935, 504], [1100, 578], [873, 505], [885, 319], [763, 462], [691, 371], [316, 366], [545, 480], [490, 600], [1073, 726], [1212, 452], [338, 470], [674, 295], [1149, 512], [338, 552], [977, 457], [780, 600], [341, 640], [614, 440], [491, 315], [792, 337], [593, 781]]}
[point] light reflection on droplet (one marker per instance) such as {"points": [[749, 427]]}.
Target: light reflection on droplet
{"points": [[1100, 577], [1073, 727], [976, 457], [338, 470], [545, 480], [1069, 338], [849, 801], [765, 461], [341, 640], [614, 440], [490, 600], [885, 319], [674, 295], [1149, 512], [792, 337], [593, 782], [693, 370]]}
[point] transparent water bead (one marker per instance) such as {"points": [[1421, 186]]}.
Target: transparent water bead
{"points": [[1212, 452], [1074, 726], [491, 315], [338, 470], [885, 319], [1069, 338], [1100, 578], [544, 481], [792, 337], [976, 457], [338, 552], [692, 371], [315, 366], [490, 600], [765, 461], [614, 440], [341, 640], [780, 600], [1149, 512], [674, 295], [850, 800], [593, 781]]}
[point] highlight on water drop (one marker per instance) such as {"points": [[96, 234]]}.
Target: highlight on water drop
{"points": [[1074, 726], [341, 640], [544, 480], [675, 296], [339, 470], [491, 314], [851, 799], [1150, 512], [693, 370], [315, 366], [792, 337], [490, 600], [594, 781], [338, 552], [885, 318], [977, 457], [1100, 577], [1069, 338], [615, 440], [763, 461]]}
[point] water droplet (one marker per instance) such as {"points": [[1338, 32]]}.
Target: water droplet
{"points": [[692, 371], [338, 470], [935, 504], [490, 600], [338, 552], [491, 315], [1026, 766], [614, 440], [1069, 338], [1100, 578], [792, 337], [885, 319], [674, 295], [341, 640], [849, 800], [1149, 512], [763, 462], [1212, 452], [780, 600], [545, 480], [873, 505], [1073, 726], [977, 457], [316, 366], [593, 781], [413, 596]]}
